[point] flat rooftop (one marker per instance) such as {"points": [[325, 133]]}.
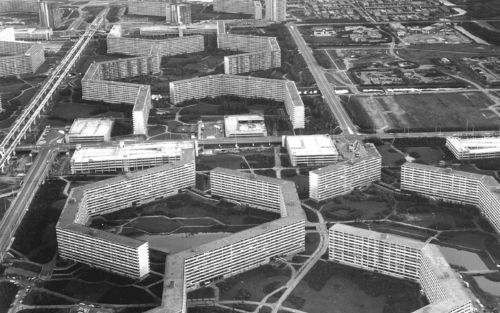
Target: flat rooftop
{"points": [[132, 151], [389, 238], [310, 145], [364, 152], [88, 127], [475, 145]]}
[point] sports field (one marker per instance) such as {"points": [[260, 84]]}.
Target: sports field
{"points": [[424, 112]]}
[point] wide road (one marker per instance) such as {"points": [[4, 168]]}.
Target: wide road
{"points": [[331, 99], [18, 208]]}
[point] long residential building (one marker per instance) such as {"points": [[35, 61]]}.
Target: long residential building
{"points": [[250, 7], [17, 58], [311, 150], [482, 191], [474, 148], [340, 178], [243, 251], [261, 53], [402, 257], [98, 85], [117, 43], [242, 86], [111, 252], [30, 6], [175, 12], [128, 157]]}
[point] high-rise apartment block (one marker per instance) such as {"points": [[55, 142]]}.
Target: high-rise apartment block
{"points": [[474, 148], [50, 14], [275, 10], [17, 58], [115, 253], [239, 252], [126, 157], [457, 186], [250, 7], [118, 43], [175, 12], [402, 258], [30, 6], [242, 86], [262, 53], [340, 178], [311, 150]]}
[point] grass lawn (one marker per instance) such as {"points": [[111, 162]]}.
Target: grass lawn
{"points": [[333, 288], [423, 112], [390, 157], [344, 209], [254, 284], [231, 161], [154, 224]]}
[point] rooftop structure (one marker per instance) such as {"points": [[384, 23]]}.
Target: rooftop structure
{"points": [[340, 178], [198, 266], [115, 253], [482, 191], [242, 86], [17, 58], [403, 258], [311, 150], [474, 148], [261, 53], [128, 157], [244, 125], [7, 34], [90, 130]]}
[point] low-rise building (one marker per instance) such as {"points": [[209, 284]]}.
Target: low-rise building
{"points": [[244, 125], [85, 130], [311, 150], [129, 157], [474, 148]]}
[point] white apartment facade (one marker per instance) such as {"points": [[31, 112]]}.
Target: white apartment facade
{"points": [[242, 86], [343, 177], [17, 58], [262, 53], [115, 253], [474, 148], [457, 186], [239, 252], [402, 257]]}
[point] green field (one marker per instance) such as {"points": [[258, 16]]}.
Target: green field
{"points": [[423, 112], [330, 287]]}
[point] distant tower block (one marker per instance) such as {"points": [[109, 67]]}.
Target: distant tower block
{"points": [[275, 10], [50, 15]]}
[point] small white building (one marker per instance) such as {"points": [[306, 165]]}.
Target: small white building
{"points": [[248, 125], [311, 150], [90, 130]]}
